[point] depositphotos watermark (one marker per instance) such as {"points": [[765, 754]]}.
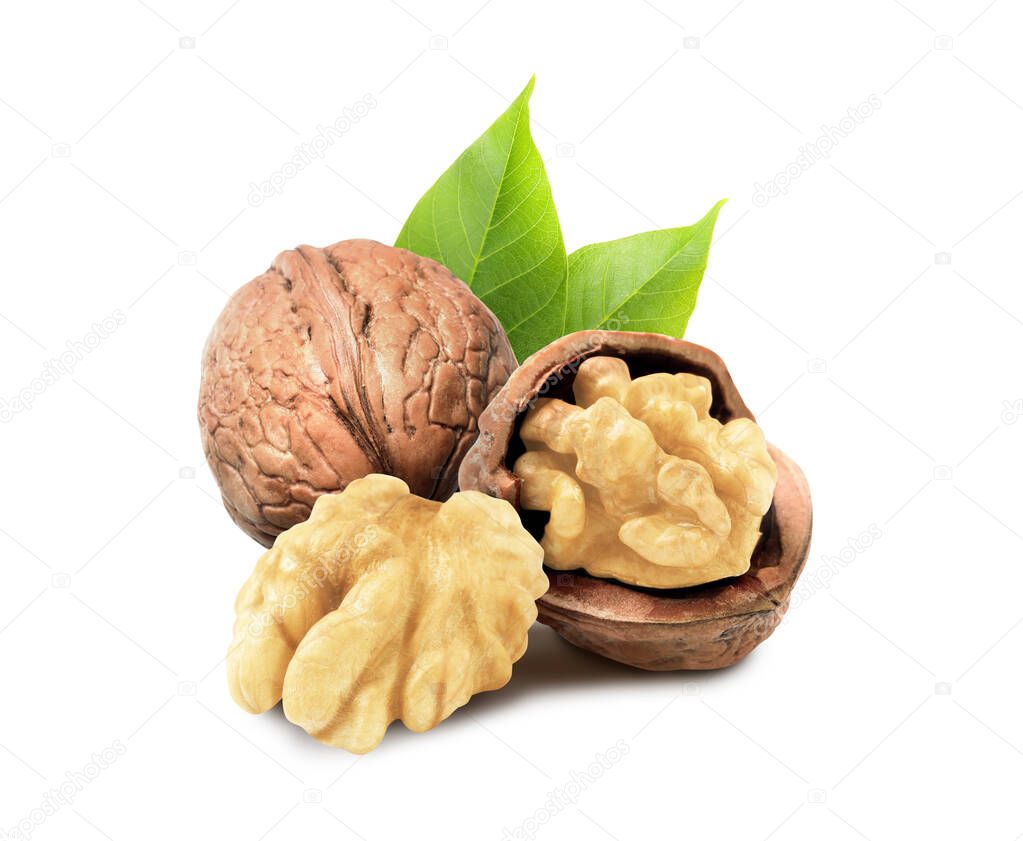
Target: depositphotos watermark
{"points": [[311, 150], [568, 793], [594, 342], [821, 576], [61, 366], [1012, 411], [820, 149], [64, 794], [309, 581]]}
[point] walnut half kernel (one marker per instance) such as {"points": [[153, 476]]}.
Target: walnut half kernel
{"points": [[641, 483], [384, 605]]}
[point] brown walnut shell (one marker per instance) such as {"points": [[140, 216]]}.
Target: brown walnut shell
{"points": [[339, 362], [705, 627]]}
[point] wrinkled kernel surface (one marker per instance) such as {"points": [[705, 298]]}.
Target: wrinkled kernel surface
{"points": [[384, 605], [642, 485]]}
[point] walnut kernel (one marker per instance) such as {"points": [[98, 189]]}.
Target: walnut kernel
{"points": [[641, 483], [384, 605]]}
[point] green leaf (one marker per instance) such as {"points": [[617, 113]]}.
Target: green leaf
{"points": [[490, 219], [647, 282]]}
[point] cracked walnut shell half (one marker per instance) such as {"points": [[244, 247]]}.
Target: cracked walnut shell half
{"points": [[633, 457], [338, 362], [384, 605]]}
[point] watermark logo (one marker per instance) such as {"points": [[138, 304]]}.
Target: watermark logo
{"points": [[61, 366], [812, 153], [64, 795], [309, 581], [820, 578], [596, 341], [1012, 410], [568, 793], [311, 150]]}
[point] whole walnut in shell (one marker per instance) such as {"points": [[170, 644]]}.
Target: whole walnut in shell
{"points": [[339, 362]]}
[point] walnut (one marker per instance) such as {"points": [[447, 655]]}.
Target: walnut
{"points": [[340, 362], [642, 485], [384, 605], [704, 626]]}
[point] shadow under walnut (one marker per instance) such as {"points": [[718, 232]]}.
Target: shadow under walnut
{"points": [[704, 627]]}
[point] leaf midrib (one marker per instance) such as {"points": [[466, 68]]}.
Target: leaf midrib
{"points": [[497, 193]]}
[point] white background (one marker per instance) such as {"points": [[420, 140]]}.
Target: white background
{"points": [[885, 706]]}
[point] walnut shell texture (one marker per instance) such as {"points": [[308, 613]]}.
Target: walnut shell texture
{"points": [[339, 362], [704, 627]]}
